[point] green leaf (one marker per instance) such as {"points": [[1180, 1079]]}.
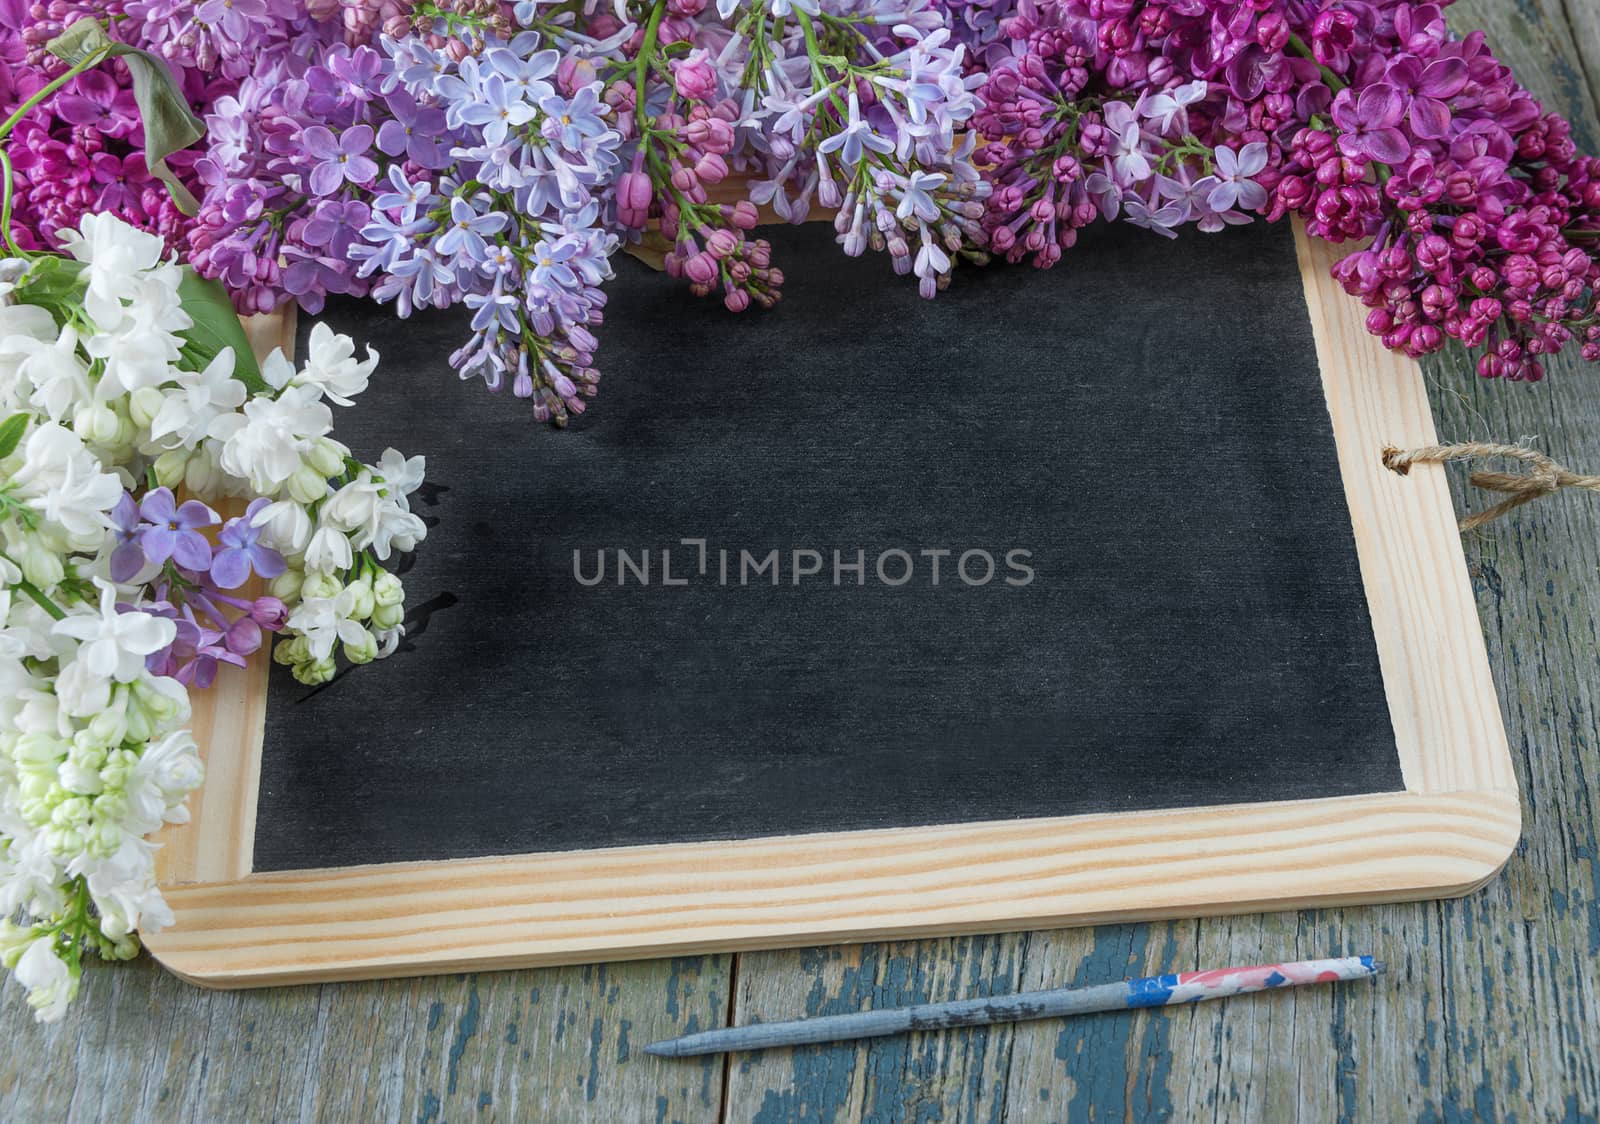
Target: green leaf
{"points": [[82, 39], [169, 125], [11, 431], [216, 326], [52, 281]]}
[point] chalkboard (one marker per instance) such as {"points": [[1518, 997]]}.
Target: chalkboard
{"points": [[682, 677], [1147, 593]]}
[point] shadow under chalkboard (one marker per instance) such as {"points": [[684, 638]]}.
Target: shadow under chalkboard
{"points": [[1147, 592]]}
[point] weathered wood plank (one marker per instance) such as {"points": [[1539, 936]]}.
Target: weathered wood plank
{"points": [[555, 1044], [1490, 1009], [917, 1077], [1584, 21]]}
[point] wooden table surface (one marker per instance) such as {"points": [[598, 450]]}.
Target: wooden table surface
{"points": [[1490, 1011]]}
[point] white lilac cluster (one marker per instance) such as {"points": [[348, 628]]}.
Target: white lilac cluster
{"points": [[117, 386]]}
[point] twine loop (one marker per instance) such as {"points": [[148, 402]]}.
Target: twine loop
{"points": [[1543, 475]]}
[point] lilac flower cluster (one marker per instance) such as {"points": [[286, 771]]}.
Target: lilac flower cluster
{"points": [[511, 223], [494, 155], [1483, 215], [862, 107], [1367, 119], [431, 172], [162, 544], [81, 152]]}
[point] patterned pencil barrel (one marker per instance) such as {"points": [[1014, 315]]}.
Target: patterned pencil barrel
{"points": [[1151, 991]]}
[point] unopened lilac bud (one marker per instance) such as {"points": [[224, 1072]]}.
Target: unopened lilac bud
{"points": [[736, 300], [286, 586], [711, 168], [269, 612], [573, 74], [362, 651], [144, 404], [722, 242], [694, 76], [41, 566], [634, 195], [307, 485], [169, 467], [320, 586], [361, 600], [201, 475], [327, 456], [701, 269], [125, 947], [314, 673], [385, 617], [387, 589], [96, 424]]}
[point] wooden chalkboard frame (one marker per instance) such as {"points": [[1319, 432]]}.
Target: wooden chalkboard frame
{"points": [[1448, 832]]}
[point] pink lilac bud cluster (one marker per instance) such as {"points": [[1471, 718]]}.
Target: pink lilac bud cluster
{"points": [[1366, 119], [864, 108], [681, 148]]}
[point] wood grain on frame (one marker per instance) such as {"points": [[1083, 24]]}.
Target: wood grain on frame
{"points": [[1451, 830], [219, 841]]}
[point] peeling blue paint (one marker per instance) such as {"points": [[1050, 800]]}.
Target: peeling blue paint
{"points": [[466, 1029]]}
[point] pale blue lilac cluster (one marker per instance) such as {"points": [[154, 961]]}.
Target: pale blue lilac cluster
{"points": [[863, 107], [510, 160]]}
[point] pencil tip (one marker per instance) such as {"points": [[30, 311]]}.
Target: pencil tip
{"points": [[1379, 967], [659, 1049]]}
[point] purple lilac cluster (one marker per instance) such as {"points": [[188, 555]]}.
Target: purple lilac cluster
{"points": [[286, 173], [82, 152], [435, 171], [163, 545], [1367, 119]]}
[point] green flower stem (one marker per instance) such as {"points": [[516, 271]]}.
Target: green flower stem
{"points": [[1335, 83], [6, 185], [35, 594], [5, 203], [641, 66], [814, 51]]}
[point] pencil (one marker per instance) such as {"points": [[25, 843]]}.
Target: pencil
{"points": [[1151, 991]]}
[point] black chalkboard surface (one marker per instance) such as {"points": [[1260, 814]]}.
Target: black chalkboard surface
{"points": [[1150, 596]]}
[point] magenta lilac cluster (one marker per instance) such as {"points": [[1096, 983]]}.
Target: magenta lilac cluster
{"points": [[497, 155], [1367, 119], [166, 546]]}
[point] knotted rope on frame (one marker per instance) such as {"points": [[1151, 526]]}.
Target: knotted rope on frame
{"points": [[1543, 476]]}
